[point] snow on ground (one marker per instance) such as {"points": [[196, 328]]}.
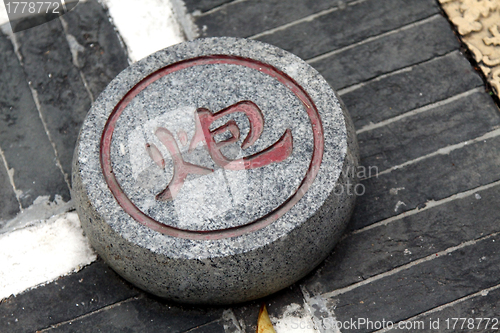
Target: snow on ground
{"points": [[3, 13], [41, 253], [294, 319], [146, 26]]}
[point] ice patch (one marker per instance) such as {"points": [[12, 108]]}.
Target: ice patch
{"points": [[41, 209]]}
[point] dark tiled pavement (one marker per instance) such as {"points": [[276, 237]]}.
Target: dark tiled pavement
{"points": [[423, 242], [23, 137], [46, 90]]}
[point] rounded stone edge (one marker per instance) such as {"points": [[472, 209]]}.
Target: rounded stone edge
{"points": [[222, 275], [120, 85], [265, 273]]}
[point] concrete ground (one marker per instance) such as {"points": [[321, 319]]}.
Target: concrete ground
{"points": [[423, 246]]}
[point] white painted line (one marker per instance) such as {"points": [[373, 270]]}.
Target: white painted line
{"points": [[433, 256], [185, 20], [41, 253], [146, 26]]}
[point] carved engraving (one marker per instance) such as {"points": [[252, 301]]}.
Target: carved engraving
{"points": [[277, 152], [478, 22], [181, 168]]}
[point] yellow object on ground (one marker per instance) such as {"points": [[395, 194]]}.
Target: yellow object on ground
{"points": [[264, 324]]}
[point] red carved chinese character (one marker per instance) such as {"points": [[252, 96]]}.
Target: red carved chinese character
{"points": [[278, 152], [181, 167], [275, 153]]}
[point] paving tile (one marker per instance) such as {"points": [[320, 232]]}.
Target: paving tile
{"points": [[378, 250], [63, 98], [23, 139], [421, 85], [433, 178], [336, 29], [10, 206], [388, 53], [145, 315], [486, 305], [248, 314], [424, 133], [101, 56], [214, 327], [247, 18], [203, 5], [424, 286], [94, 287]]}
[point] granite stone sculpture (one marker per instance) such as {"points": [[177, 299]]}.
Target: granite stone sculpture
{"points": [[214, 171]]}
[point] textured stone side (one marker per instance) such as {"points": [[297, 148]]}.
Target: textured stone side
{"points": [[242, 277], [233, 269]]}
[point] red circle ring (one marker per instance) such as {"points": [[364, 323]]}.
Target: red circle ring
{"points": [[260, 223]]}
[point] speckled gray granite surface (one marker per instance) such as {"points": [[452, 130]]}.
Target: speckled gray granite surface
{"points": [[224, 198], [225, 268]]}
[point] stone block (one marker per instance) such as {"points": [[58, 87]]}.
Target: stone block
{"points": [[215, 171]]}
